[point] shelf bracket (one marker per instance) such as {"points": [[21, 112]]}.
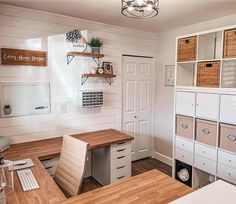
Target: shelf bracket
{"points": [[109, 80], [83, 80], [69, 59], [97, 61]]}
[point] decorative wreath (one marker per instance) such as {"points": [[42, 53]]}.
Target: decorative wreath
{"points": [[77, 39]]}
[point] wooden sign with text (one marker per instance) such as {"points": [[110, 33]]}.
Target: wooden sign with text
{"points": [[23, 57]]}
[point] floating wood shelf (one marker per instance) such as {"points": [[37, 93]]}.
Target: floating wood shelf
{"points": [[96, 57], [108, 77]]}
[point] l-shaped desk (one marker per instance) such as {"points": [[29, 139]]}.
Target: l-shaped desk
{"points": [[49, 192]]}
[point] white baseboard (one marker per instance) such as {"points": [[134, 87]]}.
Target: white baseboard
{"points": [[163, 158]]}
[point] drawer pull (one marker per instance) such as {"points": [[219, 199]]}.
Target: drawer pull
{"points": [[187, 41], [121, 167], [49, 167], [120, 143], [229, 174], [184, 126], [46, 159], [231, 138], [206, 131], [230, 160], [182, 155], [120, 177], [203, 164], [120, 150], [120, 157]]}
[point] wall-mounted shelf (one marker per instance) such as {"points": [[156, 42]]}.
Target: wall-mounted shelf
{"points": [[107, 77], [96, 57]]}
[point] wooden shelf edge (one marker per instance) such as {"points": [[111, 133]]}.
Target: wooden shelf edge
{"points": [[99, 75], [85, 54]]}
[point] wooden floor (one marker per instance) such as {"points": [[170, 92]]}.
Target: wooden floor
{"points": [[138, 167]]}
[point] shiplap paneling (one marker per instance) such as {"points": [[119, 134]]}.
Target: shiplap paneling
{"points": [[31, 29]]}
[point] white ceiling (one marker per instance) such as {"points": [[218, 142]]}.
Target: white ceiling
{"points": [[172, 13]]}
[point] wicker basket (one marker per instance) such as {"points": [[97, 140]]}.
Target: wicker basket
{"points": [[187, 49], [208, 74], [230, 43]]}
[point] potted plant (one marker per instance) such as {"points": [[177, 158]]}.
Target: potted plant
{"points": [[95, 44]]}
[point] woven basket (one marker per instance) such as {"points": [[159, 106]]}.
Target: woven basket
{"points": [[187, 49], [208, 74], [230, 43]]}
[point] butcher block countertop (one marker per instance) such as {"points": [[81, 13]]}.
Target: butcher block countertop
{"points": [[150, 187]]}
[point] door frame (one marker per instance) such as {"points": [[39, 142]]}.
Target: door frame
{"points": [[151, 138]]}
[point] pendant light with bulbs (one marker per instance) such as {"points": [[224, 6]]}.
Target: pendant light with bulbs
{"points": [[139, 9]]}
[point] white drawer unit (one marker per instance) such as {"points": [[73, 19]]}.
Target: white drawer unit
{"points": [[184, 156], [120, 161], [184, 144], [228, 108], [113, 163], [207, 106], [226, 173], [185, 103], [205, 151], [205, 164], [226, 158]]}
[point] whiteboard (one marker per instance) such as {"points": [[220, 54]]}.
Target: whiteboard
{"points": [[25, 99]]}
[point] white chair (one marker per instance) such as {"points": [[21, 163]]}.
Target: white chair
{"points": [[71, 165]]}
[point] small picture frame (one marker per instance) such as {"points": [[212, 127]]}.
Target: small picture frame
{"points": [[107, 67]]}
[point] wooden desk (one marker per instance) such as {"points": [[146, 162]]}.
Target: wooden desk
{"points": [[150, 187], [49, 192]]}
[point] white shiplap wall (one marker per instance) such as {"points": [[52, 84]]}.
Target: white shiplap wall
{"points": [[31, 29]]}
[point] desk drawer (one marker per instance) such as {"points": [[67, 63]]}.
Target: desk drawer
{"points": [[227, 159], [184, 144], [205, 164], [226, 173], [120, 173], [120, 146], [50, 161], [121, 152], [184, 156], [120, 161], [207, 152]]}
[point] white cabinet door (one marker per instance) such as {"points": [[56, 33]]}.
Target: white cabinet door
{"points": [[207, 106], [137, 103], [185, 103], [228, 108]]}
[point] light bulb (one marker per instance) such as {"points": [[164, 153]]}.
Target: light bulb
{"points": [[149, 7], [140, 2], [130, 8]]}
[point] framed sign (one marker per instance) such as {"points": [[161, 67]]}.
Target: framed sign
{"points": [[169, 75], [23, 57]]}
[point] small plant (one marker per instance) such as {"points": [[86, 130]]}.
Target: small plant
{"points": [[95, 42]]}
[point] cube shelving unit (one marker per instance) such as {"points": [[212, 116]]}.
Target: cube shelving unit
{"points": [[205, 106]]}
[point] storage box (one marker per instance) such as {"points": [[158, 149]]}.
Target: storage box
{"points": [[228, 137], [208, 74], [187, 49], [230, 43], [184, 126], [206, 132]]}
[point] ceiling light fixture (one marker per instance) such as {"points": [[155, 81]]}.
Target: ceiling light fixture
{"points": [[139, 8]]}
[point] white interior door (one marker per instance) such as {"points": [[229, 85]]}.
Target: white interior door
{"points": [[137, 103]]}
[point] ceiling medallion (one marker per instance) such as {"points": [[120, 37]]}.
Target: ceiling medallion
{"points": [[139, 9]]}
